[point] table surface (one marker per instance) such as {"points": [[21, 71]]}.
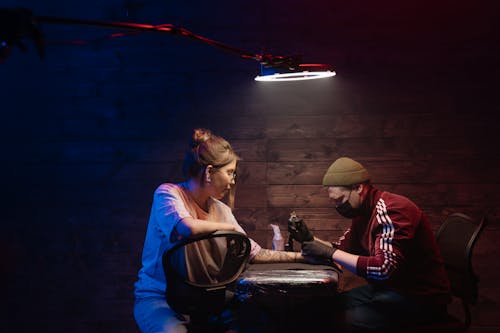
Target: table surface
{"points": [[296, 296], [287, 280], [290, 274]]}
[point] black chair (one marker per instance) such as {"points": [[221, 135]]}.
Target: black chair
{"points": [[203, 293], [456, 239]]}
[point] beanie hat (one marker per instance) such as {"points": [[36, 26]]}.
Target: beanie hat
{"points": [[345, 171]]}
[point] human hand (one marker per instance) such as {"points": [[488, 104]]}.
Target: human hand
{"points": [[298, 229], [317, 249]]}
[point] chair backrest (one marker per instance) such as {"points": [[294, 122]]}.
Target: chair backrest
{"points": [[456, 239], [198, 271]]}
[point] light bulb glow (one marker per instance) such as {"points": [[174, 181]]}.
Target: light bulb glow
{"points": [[299, 76]]}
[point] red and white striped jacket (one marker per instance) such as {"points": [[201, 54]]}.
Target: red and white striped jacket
{"points": [[397, 247]]}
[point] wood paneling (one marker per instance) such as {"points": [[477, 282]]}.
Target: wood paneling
{"points": [[426, 195], [393, 148], [421, 171]]}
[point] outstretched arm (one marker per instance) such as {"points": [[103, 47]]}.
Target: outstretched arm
{"points": [[270, 256]]}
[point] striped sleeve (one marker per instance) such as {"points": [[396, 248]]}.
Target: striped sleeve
{"points": [[386, 255]]}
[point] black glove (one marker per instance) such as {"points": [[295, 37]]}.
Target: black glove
{"points": [[318, 249], [298, 230]]}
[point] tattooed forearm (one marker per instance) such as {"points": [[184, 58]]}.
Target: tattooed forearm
{"points": [[266, 256]]}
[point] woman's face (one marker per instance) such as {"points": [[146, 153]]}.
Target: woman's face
{"points": [[221, 180]]}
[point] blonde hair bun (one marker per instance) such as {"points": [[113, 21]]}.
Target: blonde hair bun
{"points": [[200, 135]]}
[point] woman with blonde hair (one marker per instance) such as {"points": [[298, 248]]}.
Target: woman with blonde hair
{"points": [[189, 209]]}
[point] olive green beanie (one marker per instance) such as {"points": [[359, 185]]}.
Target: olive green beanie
{"points": [[345, 171]]}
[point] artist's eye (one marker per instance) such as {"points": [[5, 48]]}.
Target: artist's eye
{"points": [[231, 174]]}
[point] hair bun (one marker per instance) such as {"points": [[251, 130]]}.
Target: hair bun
{"points": [[200, 135]]}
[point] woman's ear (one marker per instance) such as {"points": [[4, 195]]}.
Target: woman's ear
{"points": [[208, 172]]}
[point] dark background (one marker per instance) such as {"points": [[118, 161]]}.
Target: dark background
{"points": [[89, 132]]}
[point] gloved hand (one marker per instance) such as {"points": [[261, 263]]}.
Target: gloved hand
{"points": [[318, 249], [298, 229]]}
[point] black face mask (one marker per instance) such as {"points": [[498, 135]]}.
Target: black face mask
{"points": [[346, 210]]}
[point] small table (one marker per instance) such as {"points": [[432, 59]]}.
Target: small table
{"points": [[294, 293]]}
